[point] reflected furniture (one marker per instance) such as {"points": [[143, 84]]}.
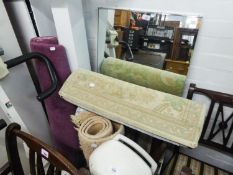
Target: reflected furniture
{"points": [[179, 67], [122, 18], [171, 35], [181, 51], [184, 40]]}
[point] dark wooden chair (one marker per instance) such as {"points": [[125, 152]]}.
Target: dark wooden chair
{"points": [[6, 167], [216, 134], [37, 151], [221, 122]]}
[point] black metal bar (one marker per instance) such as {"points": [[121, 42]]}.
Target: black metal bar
{"points": [[129, 48], [207, 120], [215, 121], [225, 123], [232, 147], [223, 129], [34, 55], [12, 149], [227, 120], [230, 130], [191, 91], [2, 124], [29, 7], [5, 169]]}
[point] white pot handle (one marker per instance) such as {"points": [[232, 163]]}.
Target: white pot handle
{"points": [[139, 149]]}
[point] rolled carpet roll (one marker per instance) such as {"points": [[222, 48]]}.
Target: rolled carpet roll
{"points": [[145, 76], [58, 110], [93, 130], [3, 69]]}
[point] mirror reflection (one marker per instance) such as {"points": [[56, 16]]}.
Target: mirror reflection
{"points": [[159, 40]]}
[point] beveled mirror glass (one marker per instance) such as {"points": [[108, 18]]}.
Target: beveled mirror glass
{"points": [[159, 40]]}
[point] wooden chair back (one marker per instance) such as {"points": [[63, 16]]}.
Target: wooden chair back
{"points": [[217, 129], [37, 151]]}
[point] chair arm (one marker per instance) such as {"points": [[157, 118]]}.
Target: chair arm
{"points": [[5, 169]]}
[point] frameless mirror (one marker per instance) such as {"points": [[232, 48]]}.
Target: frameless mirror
{"points": [[159, 40]]}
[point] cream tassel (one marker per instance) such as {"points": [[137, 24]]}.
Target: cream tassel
{"points": [[3, 69], [93, 130]]}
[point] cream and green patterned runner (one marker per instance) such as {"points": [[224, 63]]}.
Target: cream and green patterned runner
{"points": [[153, 112]]}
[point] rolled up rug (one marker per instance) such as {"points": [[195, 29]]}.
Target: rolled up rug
{"points": [[145, 76], [58, 110], [93, 130]]}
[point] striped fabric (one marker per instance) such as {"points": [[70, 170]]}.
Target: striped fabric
{"points": [[198, 167]]}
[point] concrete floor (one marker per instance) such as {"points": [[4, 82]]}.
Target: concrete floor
{"points": [[148, 58]]}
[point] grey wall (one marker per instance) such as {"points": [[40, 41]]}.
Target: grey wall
{"points": [[43, 17], [18, 84], [71, 32], [19, 88]]}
